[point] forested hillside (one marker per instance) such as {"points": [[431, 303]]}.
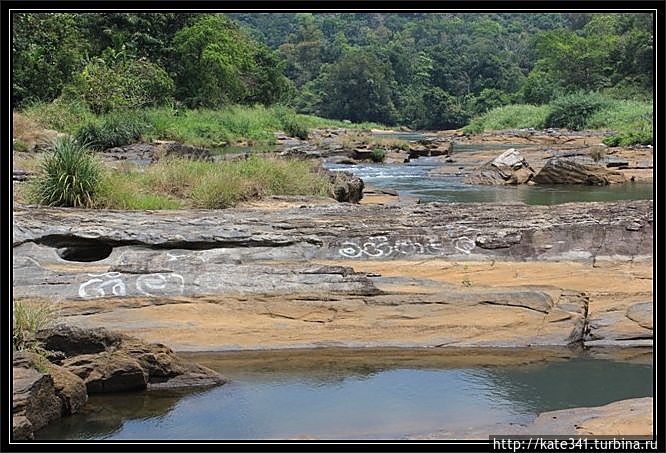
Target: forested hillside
{"points": [[422, 70]]}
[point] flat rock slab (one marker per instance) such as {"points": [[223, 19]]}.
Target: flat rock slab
{"points": [[631, 417], [573, 231]]}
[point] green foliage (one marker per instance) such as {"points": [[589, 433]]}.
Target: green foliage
{"points": [[219, 64], [509, 117], [378, 155], [46, 49], [574, 110], [115, 129], [358, 88], [114, 81], [71, 176], [292, 124], [640, 137], [29, 317]]}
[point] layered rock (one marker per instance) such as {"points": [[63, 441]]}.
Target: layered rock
{"points": [[42, 397], [569, 170], [509, 168], [124, 363]]}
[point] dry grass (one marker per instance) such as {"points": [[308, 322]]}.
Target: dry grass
{"points": [[27, 133]]}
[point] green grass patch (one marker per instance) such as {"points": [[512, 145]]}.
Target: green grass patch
{"points": [[115, 129], [631, 119], [174, 183], [61, 115], [518, 116], [29, 317]]}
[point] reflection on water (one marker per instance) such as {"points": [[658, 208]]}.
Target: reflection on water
{"points": [[361, 394], [413, 179]]}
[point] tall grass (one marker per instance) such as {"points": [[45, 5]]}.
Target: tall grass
{"points": [[70, 176], [519, 116], [175, 182], [29, 317], [111, 130], [630, 119]]}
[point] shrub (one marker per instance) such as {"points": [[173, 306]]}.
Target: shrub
{"points": [[112, 81], [574, 110], [640, 137], [71, 176], [29, 317], [117, 129], [378, 155]]}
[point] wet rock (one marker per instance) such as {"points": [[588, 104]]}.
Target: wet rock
{"points": [[185, 151], [21, 175], [510, 168], [430, 147], [570, 170]]}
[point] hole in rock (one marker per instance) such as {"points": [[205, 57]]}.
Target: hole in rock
{"points": [[85, 253]]}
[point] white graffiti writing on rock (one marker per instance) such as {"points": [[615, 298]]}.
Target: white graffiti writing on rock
{"points": [[383, 247], [100, 284], [160, 284]]}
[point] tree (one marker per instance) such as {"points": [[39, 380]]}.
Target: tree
{"points": [[46, 49], [358, 87]]}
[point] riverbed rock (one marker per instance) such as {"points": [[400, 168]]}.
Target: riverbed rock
{"points": [[630, 417], [620, 418], [569, 170], [621, 325], [347, 187], [510, 168], [125, 363], [35, 402], [70, 388]]}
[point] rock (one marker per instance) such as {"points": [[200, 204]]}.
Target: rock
{"points": [[70, 341], [510, 168], [568, 170], [621, 418], [70, 388], [124, 363], [21, 175], [107, 372], [630, 417], [186, 151], [347, 187], [620, 326], [35, 403]]}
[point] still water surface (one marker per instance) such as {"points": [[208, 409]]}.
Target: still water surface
{"points": [[354, 394]]}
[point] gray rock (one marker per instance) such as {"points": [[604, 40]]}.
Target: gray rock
{"points": [[570, 170], [510, 168]]}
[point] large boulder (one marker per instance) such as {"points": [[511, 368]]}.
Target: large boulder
{"points": [[509, 168], [577, 170], [111, 362], [347, 187], [69, 388]]}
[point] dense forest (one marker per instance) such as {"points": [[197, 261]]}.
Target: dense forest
{"points": [[422, 70]]}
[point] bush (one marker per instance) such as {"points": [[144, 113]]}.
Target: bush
{"points": [[574, 110], [643, 137], [29, 317], [62, 114], [378, 155], [117, 129], [294, 127], [71, 176], [113, 82]]}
